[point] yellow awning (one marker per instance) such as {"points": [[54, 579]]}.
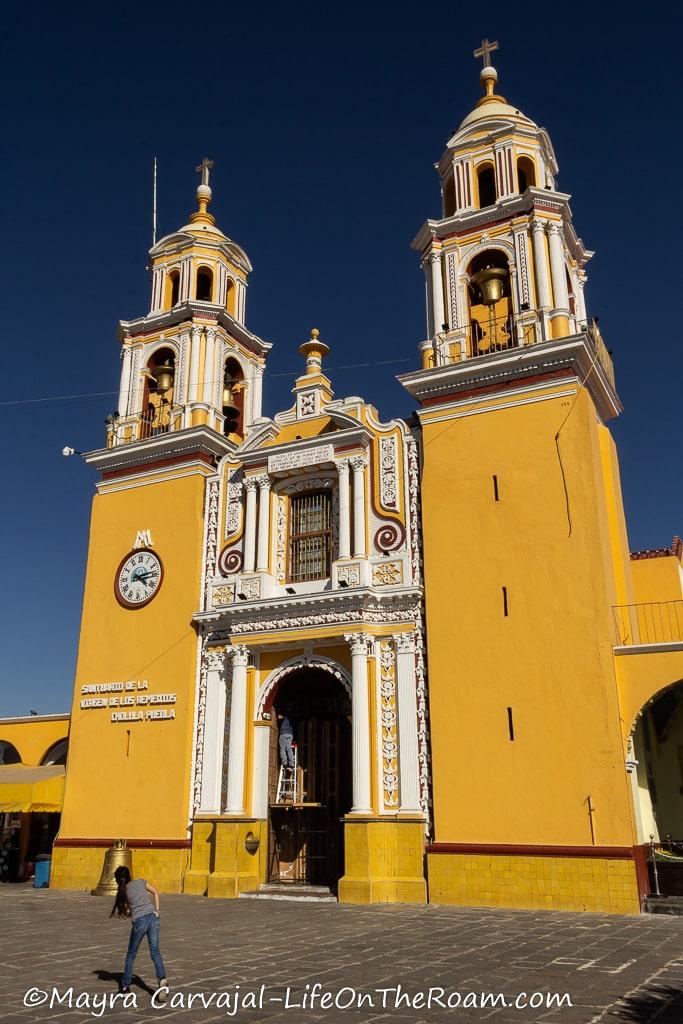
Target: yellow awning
{"points": [[25, 788]]}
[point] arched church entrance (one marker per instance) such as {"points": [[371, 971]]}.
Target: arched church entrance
{"points": [[657, 743], [306, 829]]}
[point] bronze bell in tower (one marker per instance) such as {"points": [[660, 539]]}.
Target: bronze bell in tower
{"points": [[164, 375], [490, 283], [116, 856]]}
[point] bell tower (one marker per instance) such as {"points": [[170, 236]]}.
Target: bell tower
{"points": [[191, 360], [504, 266], [190, 394], [525, 548]]}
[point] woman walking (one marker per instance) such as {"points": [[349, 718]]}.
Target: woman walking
{"points": [[133, 900]]}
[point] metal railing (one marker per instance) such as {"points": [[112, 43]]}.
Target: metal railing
{"points": [[147, 424], [654, 622], [494, 334], [483, 336], [592, 331]]}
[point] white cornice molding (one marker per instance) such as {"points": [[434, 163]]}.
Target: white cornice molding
{"points": [[164, 446], [575, 353], [186, 313], [358, 607], [511, 206], [357, 435]]}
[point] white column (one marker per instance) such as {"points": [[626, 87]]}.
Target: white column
{"points": [[214, 733], [428, 300], [344, 509], [358, 464], [209, 383], [124, 391], [406, 695], [360, 723], [437, 290], [557, 268], [184, 339], [250, 525], [540, 265], [192, 391], [263, 524], [185, 279], [157, 289], [259, 782], [257, 396], [580, 297], [238, 731]]}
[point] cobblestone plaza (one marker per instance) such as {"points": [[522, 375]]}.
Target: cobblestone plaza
{"points": [[278, 959]]}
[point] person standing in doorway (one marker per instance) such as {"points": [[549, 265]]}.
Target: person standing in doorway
{"points": [[286, 740], [133, 900]]}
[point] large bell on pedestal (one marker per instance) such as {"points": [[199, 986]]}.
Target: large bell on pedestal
{"points": [[116, 856], [490, 283]]}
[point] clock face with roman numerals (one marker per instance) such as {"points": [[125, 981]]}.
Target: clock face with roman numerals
{"points": [[138, 578]]}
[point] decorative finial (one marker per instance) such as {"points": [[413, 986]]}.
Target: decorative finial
{"points": [[314, 350], [488, 75], [203, 194]]}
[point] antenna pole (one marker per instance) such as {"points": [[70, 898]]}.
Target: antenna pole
{"points": [[154, 205]]}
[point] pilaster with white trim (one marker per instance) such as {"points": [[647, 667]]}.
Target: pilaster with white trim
{"points": [[238, 730], [406, 693], [360, 723], [214, 733]]}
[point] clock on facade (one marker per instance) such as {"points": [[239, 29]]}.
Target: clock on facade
{"points": [[138, 578]]}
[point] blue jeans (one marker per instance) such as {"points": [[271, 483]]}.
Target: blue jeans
{"points": [[149, 926], [286, 752]]}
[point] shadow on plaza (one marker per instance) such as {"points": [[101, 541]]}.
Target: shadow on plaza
{"points": [[661, 1002], [116, 976]]}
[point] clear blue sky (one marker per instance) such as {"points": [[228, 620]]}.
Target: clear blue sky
{"points": [[324, 122]]}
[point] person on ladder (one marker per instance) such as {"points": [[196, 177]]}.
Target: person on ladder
{"points": [[286, 741]]}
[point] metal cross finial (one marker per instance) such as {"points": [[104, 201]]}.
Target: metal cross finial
{"points": [[204, 168], [485, 52]]}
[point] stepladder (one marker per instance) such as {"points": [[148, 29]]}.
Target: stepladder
{"points": [[289, 782]]}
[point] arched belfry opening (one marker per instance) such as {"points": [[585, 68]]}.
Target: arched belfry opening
{"points": [[231, 297], [449, 196], [526, 174], [172, 289], [233, 398], [490, 303], [486, 185], [306, 833], [158, 392], [204, 284]]}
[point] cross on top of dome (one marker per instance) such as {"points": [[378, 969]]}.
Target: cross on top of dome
{"points": [[205, 166], [485, 51]]}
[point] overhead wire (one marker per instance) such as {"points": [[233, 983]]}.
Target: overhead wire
{"points": [[108, 394]]}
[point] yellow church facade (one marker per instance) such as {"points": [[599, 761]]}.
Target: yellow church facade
{"points": [[483, 683]]}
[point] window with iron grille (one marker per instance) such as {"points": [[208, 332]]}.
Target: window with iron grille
{"points": [[310, 552]]}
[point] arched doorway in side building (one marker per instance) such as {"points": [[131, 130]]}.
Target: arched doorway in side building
{"points": [[306, 826], [657, 749]]}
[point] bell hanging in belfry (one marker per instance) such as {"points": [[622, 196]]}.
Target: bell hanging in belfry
{"points": [[116, 856], [164, 376], [490, 283], [228, 400]]}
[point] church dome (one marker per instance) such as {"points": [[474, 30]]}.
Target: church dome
{"points": [[496, 109]]}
